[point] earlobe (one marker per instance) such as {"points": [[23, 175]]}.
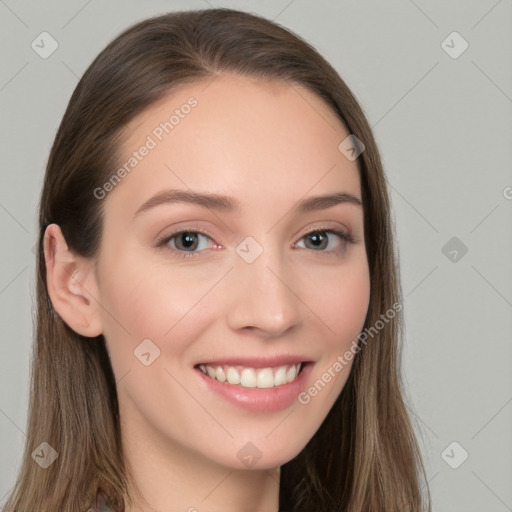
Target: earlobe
{"points": [[71, 284]]}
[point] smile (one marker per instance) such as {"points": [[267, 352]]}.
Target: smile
{"points": [[262, 378]]}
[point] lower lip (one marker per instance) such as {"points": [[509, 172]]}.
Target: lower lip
{"points": [[256, 399]]}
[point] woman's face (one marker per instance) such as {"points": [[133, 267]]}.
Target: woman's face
{"points": [[251, 290]]}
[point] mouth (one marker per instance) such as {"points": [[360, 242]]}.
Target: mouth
{"points": [[248, 377]]}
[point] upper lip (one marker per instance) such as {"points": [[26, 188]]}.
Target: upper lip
{"points": [[257, 361]]}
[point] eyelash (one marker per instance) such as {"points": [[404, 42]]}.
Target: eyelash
{"points": [[163, 242]]}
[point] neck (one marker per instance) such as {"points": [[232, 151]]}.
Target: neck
{"points": [[167, 476]]}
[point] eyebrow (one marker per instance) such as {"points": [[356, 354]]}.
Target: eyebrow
{"points": [[228, 204]]}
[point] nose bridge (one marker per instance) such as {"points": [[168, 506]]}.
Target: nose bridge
{"points": [[262, 297]]}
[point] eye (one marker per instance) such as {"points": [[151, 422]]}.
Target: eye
{"points": [[319, 239], [185, 242]]}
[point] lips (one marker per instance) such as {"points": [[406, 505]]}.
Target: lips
{"points": [[257, 361], [271, 397]]}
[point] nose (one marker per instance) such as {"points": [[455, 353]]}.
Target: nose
{"points": [[263, 296]]}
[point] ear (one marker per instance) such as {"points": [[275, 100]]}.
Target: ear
{"points": [[72, 285]]}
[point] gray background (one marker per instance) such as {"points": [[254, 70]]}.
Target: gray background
{"points": [[444, 128]]}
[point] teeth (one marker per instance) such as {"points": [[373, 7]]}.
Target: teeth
{"points": [[292, 373], [265, 378], [219, 374], [261, 378], [280, 376], [233, 376], [248, 378]]}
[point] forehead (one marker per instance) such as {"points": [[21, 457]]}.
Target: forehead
{"points": [[237, 135]]}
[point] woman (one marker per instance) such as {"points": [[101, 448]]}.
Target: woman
{"points": [[258, 371]]}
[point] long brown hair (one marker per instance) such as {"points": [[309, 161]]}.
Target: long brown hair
{"points": [[365, 456]]}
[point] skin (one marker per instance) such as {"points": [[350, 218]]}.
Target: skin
{"points": [[268, 145]]}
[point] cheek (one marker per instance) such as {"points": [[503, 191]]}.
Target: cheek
{"points": [[342, 309], [343, 304], [145, 301]]}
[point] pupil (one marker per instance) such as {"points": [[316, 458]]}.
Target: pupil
{"points": [[317, 238], [189, 240]]}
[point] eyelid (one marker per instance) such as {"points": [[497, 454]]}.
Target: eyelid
{"points": [[331, 228]]}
